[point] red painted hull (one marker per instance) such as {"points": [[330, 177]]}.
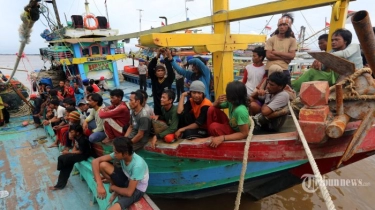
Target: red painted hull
{"points": [[273, 147]]}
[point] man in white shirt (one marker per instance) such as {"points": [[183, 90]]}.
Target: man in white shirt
{"points": [[58, 113], [254, 72], [93, 124], [142, 70]]}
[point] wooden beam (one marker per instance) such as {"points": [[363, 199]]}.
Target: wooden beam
{"points": [[92, 59], [183, 40], [231, 15]]}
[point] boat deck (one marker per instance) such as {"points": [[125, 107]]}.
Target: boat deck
{"points": [[28, 168]]}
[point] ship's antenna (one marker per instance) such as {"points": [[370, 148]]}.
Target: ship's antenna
{"points": [[87, 7], [106, 10], [140, 19]]}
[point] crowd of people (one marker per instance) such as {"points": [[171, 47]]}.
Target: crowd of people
{"points": [[77, 113]]}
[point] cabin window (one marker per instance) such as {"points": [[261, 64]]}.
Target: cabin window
{"points": [[95, 50], [85, 52], [105, 51]]}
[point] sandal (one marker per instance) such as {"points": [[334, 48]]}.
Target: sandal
{"points": [[4, 193]]}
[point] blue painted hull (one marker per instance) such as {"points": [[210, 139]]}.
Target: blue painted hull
{"points": [[194, 178]]}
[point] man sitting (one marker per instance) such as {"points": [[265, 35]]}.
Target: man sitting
{"points": [[93, 124], [169, 116], [66, 161], [193, 114], [115, 116], [265, 102], [341, 47], [140, 123], [129, 182], [58, 113], [148, 109]]}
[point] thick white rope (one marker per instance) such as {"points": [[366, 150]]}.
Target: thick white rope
{"points": [[244, 165], [318, 176]]}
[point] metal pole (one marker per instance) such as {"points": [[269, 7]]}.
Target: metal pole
{"points": [[186, 9], [140, 19], [106, 10], [56, 13], [325, 25], [239, 27]]}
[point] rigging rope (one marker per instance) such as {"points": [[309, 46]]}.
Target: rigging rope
{"points": [[326, 196], [244, 165]]}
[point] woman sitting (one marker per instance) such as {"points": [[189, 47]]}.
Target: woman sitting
{"points": [[237, 126]]}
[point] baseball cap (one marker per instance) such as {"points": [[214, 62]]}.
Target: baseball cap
{"points": [[82, 102]]}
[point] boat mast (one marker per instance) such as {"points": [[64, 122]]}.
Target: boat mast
{"points": [[87, 7], [56, 13]]}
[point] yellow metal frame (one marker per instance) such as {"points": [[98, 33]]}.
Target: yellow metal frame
{"points": [[86, 59], [221, 43], [338, 18]]}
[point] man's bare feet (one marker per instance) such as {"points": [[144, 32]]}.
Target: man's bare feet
{"points": [[53, 145], [54, 188], [113, 197]]}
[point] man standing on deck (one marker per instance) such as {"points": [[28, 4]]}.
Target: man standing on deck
{"points": [[160, 79], [115, 116], [140, 122], [254, 72], [142, 71], [282, 46], [129, 182]]}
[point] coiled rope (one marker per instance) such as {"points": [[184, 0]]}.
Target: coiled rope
{"points": [[244, 165], [326, 196]]}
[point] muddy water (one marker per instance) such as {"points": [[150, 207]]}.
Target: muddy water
{"points": [[344, 197]]}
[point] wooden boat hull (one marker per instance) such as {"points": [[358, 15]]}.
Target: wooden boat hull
{"points": [[189, 170]]}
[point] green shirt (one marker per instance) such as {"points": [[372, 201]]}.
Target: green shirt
{"points": [[238, 116], [171, 118]]}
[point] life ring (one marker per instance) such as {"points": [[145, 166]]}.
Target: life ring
{"points": [[86, 23]]}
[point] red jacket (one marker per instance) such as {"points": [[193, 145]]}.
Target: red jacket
{"points": [[120, 114]]}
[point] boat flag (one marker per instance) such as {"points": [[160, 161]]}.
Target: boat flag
{"points": [[162, 23], [327, 24]]}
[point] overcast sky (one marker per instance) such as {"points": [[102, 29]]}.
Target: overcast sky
{"points": [[123, 15]]}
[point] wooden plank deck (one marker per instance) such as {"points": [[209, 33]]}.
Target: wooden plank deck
{"points": [[26, 171]]}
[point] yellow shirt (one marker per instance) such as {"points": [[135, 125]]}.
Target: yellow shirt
{"points": [[280, 45]]}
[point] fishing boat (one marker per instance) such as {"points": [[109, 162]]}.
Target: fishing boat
{"points": [[275, 161], [27, 167]]}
